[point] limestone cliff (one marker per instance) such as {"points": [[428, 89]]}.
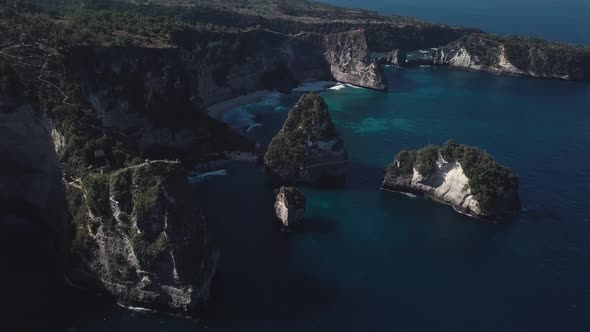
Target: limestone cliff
{"points": [[516, 55], [464, 177], [350, 60], [138, 235], [290, 206], [394, 58], [152, 96], [227, 65], [159, 96], [141, 239], [308, 148]]}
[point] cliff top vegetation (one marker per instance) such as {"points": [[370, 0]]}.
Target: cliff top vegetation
{"points": [[487, 179]]}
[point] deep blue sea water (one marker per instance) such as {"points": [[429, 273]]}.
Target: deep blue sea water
{"points": [[368, 260], [557, 20]]}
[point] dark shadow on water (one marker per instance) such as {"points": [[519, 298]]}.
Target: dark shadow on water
{"points": [[398, 81], [318, 225], [534, 212], [365, 177], [256, 284]]}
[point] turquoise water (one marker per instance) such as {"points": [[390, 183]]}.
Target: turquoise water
{"points": [[563, 20], [368, 260]]}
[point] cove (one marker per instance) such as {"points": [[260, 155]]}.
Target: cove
{"points": [[371, 260]]}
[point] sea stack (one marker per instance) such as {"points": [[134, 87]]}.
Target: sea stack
{"points": [[462, 176], [394, 58], [290, 206], [308, 149]]}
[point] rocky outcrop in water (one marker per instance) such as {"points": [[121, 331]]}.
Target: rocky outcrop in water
{"points": [[350, 60], [308, 148], [141, 239], [394, 58], [516, 55], [290, 206], [464, 177]]}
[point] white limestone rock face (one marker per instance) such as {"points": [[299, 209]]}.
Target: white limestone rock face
{"points": [[462, 58], [290, 206], [447, 181], [516, 56], [141, 239], [448, 184], [351, 62], [394, 58]]}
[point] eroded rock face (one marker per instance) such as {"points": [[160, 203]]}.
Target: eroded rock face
{"points": [[448, 184], [152, 95], [394, 58], [141, 239], [308, 149], [290, 206], [438, 173], [350, 60], [517, 56]]}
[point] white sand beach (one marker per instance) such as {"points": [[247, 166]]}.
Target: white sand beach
{"points": [[217, 111]]}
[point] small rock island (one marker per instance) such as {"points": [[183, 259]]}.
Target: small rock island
{"points": [[308, 149], [290, 206], [462, 176]]}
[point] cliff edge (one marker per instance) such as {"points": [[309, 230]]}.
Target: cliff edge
{"points": [[141, 239], [517, 55]]}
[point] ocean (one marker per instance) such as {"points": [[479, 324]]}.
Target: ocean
{"points": [[369, 260], [563, 21]]}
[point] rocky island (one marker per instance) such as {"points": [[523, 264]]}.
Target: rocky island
{"points": [[465, 177], [290, 206], [308, 149]]}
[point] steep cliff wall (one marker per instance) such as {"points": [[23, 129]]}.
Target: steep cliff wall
{"points": [[387, 37], [517, 55], [160, 95], [350, 60], [140, 238], [226, 65], [151, 96]]}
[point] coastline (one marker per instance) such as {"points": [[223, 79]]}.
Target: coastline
{"points": [[218, 110]]}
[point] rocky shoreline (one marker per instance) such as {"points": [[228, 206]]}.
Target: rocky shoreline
{"points": [[501, 55], [105, 112]]}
